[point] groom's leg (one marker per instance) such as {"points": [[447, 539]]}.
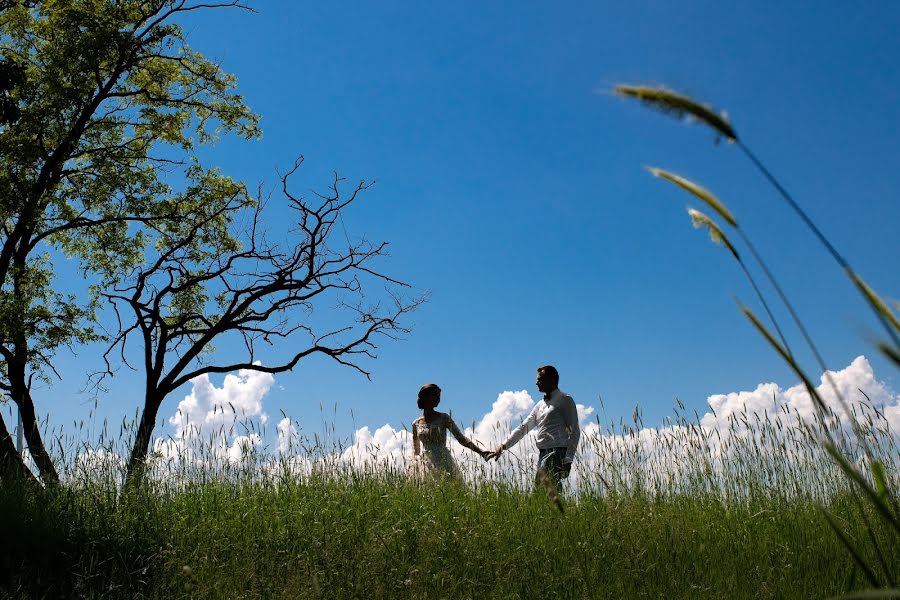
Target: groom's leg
{"points": [[550, 462]]}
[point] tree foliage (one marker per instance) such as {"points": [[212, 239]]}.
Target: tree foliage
{"points": [[103, 107]]}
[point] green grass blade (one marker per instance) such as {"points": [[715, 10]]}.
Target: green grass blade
{"points": [[866, 569], [786, 356], [870, 492], [869, 595], [875, 300], [880, 478], [701, 220], [891, 352]]}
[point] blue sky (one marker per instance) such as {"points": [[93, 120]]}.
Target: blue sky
{"points": [[510, 185]]}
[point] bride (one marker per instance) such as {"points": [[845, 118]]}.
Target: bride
{"points": [[431, 457]]}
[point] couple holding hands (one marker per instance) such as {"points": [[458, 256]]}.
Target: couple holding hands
{"points": [[555, 419]]}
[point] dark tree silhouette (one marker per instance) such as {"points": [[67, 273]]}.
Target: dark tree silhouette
{"points": [[193, 295]]}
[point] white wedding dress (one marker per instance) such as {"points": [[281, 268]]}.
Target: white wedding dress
{"points": [[431, 456]]}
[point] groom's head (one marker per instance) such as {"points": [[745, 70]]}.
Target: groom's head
{"points": [[547, 378]]}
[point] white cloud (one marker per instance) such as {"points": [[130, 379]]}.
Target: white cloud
{"points": [[507, 411], [749, 431], [745, 424], [216, 424], [288, 436], [794, 403], [209, 410], [385, 448], [243, 447], [892, 415], [666, 457], [392, 447]]}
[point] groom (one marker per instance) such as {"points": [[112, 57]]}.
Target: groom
{"points": [[556, 421]]}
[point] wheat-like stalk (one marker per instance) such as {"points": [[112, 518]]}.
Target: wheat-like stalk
{"points": [[679, 105], [891, 352], [717, 205], [682, 106], [700, 220], [875, 300], [698, 191], [882, 308], [785, 355], [550, 485]]}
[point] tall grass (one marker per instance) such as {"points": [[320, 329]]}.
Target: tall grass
{"points": [[869, 486], [690, 509]]}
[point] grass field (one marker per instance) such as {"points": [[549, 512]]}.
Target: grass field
{"points": [[737, 519], [371, 538]]}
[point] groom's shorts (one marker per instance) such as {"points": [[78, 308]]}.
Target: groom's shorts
{"points": [[551, 460]]}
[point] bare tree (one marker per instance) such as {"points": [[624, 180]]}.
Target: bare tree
{"points": [[194, 294]]}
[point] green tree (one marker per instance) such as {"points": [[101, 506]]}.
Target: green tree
{"points": [[101, 117]]}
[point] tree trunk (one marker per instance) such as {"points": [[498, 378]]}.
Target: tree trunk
{"points": [[141, 447], [12, 468], [16, 367], [21, 395]]}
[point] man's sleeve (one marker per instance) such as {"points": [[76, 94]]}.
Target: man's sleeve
{"points": [[571, 418], [523, 428]]}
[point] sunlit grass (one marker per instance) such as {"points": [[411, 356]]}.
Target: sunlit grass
{"points": [[684, 510]]}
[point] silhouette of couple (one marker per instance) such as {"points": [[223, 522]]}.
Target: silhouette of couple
{"points": [[554, 418]]}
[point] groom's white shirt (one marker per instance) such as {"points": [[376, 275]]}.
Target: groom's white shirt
{"points": [[556, 421]]}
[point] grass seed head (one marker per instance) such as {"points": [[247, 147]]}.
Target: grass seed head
{"points": [[679, 106], [698, 191], [699, 220]]}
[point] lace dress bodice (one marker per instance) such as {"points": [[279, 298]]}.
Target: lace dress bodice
{"points": [[430, 451]]}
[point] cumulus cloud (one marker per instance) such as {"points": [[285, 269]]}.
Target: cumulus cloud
{"points": [[507, 409], [668, 456], [288, 436], [209, 409], [768, 432], [242, 447], [391, 448], [207, 420], [750, 423], [795, 403], [386, 447]]}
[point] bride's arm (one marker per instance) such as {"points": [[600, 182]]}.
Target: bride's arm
{"points": [[417, 448], [461, 438]]}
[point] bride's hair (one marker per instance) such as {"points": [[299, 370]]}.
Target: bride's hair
{"points": [[425, 391]]}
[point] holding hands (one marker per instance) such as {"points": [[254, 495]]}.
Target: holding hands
{"points": [[489, 454], [495, 454]]}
